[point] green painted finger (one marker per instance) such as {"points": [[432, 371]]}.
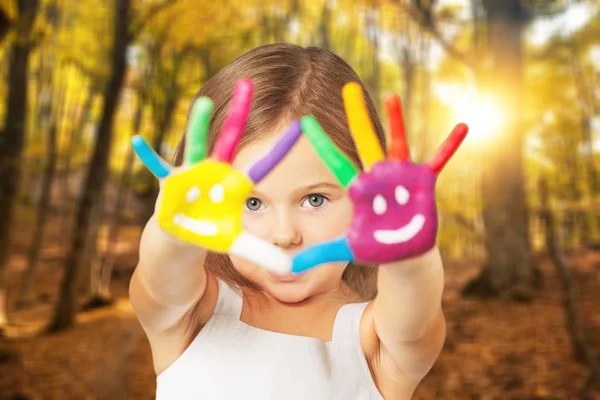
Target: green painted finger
{"points": [[199, 124], [340, 165]]}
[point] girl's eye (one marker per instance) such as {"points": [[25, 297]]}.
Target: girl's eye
{"points": [[314, 201], [253, 204]]}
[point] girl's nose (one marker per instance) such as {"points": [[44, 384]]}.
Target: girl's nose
{"points": [[285, 233]]}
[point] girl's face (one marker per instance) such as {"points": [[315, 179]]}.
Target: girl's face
{"points": [[297, 205]]}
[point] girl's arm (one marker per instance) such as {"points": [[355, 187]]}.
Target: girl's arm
{"points": [[407, 315], [169, 280]]}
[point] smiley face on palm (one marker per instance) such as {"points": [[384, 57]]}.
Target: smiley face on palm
{"points": [[395, 214], [203, 202]]}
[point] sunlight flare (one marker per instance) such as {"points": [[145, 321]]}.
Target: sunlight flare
{"points": [[483, 114]]}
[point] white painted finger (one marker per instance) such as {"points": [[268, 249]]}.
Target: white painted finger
{"points": [[261, 253]]}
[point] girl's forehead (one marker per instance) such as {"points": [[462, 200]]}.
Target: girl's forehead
{"points": [[301, 165], [254, 150]]}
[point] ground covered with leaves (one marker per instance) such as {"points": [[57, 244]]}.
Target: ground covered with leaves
{"points": [[495, 348]]}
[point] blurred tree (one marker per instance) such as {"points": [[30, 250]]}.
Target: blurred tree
{"points": [[166, 87], [101, 294], [92, 191], [180, 57], [12, 138], [370, 57], [125, 30], [497, 60], [508, 266], [325, 26], [49, 117], [501, 70], [275, 17], [561, 117], [5, 23]]}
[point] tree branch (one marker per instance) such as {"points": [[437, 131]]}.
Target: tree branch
{"points": [[92, 74], [423, 16], [468, 223], [153, 10], [548, 9]]}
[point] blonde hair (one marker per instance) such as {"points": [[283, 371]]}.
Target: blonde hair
{"points": [[289, 82]]}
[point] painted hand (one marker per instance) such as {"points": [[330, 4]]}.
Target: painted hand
{"points": [[203, 202], [395, 214]]}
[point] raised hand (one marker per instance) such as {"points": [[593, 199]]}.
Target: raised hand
{"points": [[202, 202], [395, 214]]}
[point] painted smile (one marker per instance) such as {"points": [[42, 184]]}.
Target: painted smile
{"points": [[400, 235], [198, 227]]}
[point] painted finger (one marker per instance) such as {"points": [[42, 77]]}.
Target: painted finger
{"points": [[261, 253], [398, 148], [448, 148], [151, 160], [332, 251], [235, 122], [337, 162], [195, 141], [361, 127], [262, 167]]}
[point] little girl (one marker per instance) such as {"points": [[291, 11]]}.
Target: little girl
{"points": [[222, 327]]}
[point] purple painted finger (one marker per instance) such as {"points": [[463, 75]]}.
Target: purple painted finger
{"points": [[262, 167]]}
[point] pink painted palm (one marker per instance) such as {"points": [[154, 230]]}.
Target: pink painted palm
{"points": [[395, 215]]}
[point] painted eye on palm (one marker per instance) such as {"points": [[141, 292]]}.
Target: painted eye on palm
{"points": [[395, 213], [204, 201]]}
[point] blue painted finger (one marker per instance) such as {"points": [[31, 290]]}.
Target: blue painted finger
{"points": [[332, 251], [151, 160]]}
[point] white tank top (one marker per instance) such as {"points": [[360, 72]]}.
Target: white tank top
{"points": [[231, 360]]}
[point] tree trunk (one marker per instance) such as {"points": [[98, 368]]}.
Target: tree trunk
{"points": [[74, 140], [103, 296], [583, 348], [90, 265], [371, 62], [50, 116], [585, 99], [64, 316], [12, 138], [586, 110], [5, 23], [163, 122], [324, 27], [408, 72], [572, 221], [376, 71], [508, 268], [206, 62], [426, 143], [405, 57], [42, 212]]}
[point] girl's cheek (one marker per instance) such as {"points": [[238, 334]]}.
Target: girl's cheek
{"points": [[325, 224], [256, 222]]}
